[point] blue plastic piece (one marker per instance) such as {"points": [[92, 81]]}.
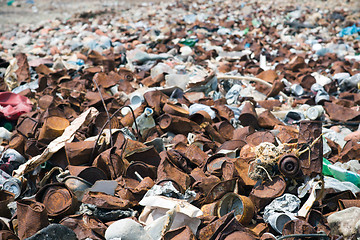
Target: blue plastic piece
{"points": [[349, 30]]}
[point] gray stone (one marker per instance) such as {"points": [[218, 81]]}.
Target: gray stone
{"points": [[126, 229], [54, 232], [346, 222]]}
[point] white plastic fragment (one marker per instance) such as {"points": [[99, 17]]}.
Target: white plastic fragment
{"points": [[158, 206]]}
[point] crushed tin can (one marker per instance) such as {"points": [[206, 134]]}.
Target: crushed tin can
{"points": [[242, 206], [88, 173], [77, 185], [58, 199], [248, 116], [5, 198], [264, 193], [32, 217], [15, 186], [52, 128], [177, 124], [79, 153]]}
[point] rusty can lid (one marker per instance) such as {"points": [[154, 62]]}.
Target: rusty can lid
{"points": [[90, 174], [57, 198]]}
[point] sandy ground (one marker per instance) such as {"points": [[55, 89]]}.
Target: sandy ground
{"points": [[23, 12]]}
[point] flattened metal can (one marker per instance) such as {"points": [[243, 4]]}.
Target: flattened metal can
{"points": [[58, 200]]}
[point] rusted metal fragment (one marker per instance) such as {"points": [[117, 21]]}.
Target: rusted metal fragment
{"points": [[248, 116], [223, 111], [214, 164], [201, 117], [242, 133], [307, 81], [213, 134], [297, 226], [310, 139], [168, 170], [128, 119], [178, 124], [182, 233], [269, 76], [85, 226], [203, 183], [111, 163], [138, 169], [53, 127], [243, 207], [264, 193], [276, 88], [90, 174], [348, 203], [287, 134], [239, 235], [210, 209], [137, 151], [106, 201], [219, 190], [225, 129], [58, 199], [211, 230], [350, 151], [8, 235], [196, 155], [242, 167], [27, 126], [232, 145], [101, 119], [318, 221], [267, 120], [17, 142], [32, 217], [226, 227], [330, 202], [260, 136], [176, 110], [270, 104], [259, 229], [5, 198], [339, 113], [78, 153], [155, 100]]}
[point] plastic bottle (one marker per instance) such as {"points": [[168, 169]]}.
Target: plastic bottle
{"points": [[145, 120]]}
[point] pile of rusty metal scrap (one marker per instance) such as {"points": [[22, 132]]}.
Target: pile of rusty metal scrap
{"points": [[151, 124]]}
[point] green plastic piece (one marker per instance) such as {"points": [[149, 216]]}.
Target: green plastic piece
{"points": [[246, 30], [339, 173], [189, 42], [8, 126]]}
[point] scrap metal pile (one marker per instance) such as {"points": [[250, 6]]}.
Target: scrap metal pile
{"points": [[182, 120]]}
